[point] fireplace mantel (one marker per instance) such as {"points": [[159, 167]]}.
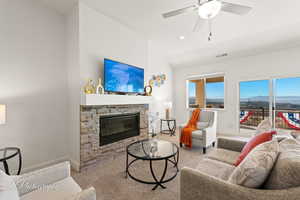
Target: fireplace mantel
{"points": [[105, 99]]}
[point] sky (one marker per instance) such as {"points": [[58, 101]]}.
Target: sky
{"points": [[283, 87], [288, 87], [254, 88], [192, 89], [213, 90]]}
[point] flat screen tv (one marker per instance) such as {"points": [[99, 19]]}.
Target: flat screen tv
{"points": [[122, 78]]}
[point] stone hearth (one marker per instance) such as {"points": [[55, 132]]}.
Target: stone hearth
{"points": [[90, 150]]}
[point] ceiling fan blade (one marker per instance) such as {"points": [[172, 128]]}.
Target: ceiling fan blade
{"points": [[235, 8], [199, 24], [180, 11]]}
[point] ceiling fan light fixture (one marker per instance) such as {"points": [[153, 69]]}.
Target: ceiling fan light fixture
{"points": [[210, 9]]}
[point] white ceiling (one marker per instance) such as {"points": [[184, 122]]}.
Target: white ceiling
{"points": [[271, 24]]}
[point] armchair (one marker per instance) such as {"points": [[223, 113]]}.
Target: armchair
{"points": [[54, 182], [206, 133]]}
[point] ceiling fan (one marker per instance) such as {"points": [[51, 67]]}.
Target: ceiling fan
{"points": [[208, 9]]}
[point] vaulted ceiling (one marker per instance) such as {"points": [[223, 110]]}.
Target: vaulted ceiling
{"points": [[270, 25]]}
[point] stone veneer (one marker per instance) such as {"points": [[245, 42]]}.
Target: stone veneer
{"points": [[90, 150]]}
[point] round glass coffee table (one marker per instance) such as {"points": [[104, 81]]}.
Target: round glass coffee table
{"points": [[153, 150]]}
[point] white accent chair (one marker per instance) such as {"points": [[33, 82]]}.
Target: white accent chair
{"points": [[206, 133], [51, 183]]}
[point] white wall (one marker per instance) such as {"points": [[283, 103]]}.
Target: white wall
{"points": [[46, 59], [74, 89], [33, 81], [102, 37], [283, 63], [159, 65]]}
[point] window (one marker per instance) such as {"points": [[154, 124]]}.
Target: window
{"points": [[206, 92], [214, 92], [275, 99], [192, 94]]}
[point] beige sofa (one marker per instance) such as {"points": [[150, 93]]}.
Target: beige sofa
{"points": [[209, 180]]}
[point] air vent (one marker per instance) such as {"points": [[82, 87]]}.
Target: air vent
{"points": [[222, 55]]}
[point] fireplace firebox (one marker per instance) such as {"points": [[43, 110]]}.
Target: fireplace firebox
{"points": [[114, 128]]}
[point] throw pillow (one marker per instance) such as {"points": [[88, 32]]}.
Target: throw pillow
{"points": [[256, 140], [282, 135], [8, 189], [286, 171], [256, 167], [296, 135], [264, 126]]}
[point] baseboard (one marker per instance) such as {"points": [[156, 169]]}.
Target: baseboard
{"points": [[44, 164], [75, 165]]}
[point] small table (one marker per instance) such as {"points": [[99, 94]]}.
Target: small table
{"points": [[8, 153], [153, 150], [171, 130]]}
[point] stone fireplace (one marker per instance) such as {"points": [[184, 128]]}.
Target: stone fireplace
{"points": [[114, 128], [108, 129]]}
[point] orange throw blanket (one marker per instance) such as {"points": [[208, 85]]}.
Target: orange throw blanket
{"points": [[186, 133]]}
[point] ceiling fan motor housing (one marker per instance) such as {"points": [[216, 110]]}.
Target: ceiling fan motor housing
{"points": [[209, 9]]}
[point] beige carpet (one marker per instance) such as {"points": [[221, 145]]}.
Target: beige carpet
{"points": [[108, 177]]}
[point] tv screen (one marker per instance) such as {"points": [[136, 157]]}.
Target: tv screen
{"points": [[120, 77]]}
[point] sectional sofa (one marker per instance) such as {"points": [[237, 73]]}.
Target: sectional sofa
{"points": [[209, 180]]}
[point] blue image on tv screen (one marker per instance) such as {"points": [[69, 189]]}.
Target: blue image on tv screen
{"points": [[121, 77]]}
